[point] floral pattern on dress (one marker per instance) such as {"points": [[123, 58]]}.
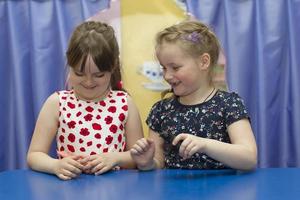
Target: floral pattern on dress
{"points": [[210, 119]]}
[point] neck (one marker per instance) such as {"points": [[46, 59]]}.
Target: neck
{"points": [[199, 96]]}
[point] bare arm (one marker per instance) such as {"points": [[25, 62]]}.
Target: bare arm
{"points": [[44, 133], [133, 132], [240, 154]]}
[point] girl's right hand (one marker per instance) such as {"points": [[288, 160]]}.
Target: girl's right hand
{"points": [[142, 153], [68, 167]]}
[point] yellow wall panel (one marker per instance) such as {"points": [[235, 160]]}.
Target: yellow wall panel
{"points": [[140, 21]]}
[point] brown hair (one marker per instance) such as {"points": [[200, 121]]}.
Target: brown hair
{"points": [[98, 40], [194, 38]]}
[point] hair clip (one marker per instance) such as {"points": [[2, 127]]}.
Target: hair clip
{"points": [[120, 85], [194, 37]]}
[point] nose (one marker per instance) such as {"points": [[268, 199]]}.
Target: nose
{"points": [[88, 81], [167, 75]]}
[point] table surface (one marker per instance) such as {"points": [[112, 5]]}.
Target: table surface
{"points": [[272, 183]]}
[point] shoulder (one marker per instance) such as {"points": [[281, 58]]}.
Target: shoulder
{"points": [[229, 97], [164, 104]]}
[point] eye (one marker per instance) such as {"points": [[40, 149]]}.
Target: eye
{"points": [[78, 73], [99, 75]]}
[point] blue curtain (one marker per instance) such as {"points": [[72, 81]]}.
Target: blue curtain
{"points": [[33, 39], [261, 40]]}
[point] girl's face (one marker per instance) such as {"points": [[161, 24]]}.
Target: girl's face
{"points": [[183, 72], [90, 84]]}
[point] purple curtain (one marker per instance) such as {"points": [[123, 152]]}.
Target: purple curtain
{"points": [[34, 36], [261, 40]]}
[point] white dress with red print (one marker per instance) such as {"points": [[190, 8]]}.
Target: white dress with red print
{"points": [[87, 128]]}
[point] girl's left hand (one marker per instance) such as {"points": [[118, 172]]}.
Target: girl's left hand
{"points": [[190, 144], [101, 163]]}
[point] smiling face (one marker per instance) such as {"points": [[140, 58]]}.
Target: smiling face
{"points": [[89, 83], [183, 72]]}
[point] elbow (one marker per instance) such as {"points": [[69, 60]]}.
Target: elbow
{"points": [[251, 162]]}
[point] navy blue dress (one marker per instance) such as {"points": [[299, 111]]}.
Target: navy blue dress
{"points": [[210, 119]]}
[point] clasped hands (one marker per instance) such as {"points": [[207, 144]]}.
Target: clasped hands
{"points": [[70, 166]]}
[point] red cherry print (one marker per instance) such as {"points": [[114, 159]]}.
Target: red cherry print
{"points": [[80, 122], [105, 150], [64, 109], [116, 146], [108, 119], [72, 98], [61, 138], [63, 130], [71, 137], [121, 117], [112, 101], [123, 100], [71, 105], [71, 124], [64, 121], [98, 146], [108, 139], [120, 94], [62, 148], [120, 138], [92, 153], [113, 128], [89, 143], [88, 117], [102, 103], [82, 149], [125, 107], [63, 98], [79, 105], [89, 109], [99, 110], [98, 136], [78, 114], [121, 127], [69, 115], [98, 117], [96, 126], [84, 132], [112, 109], [59, 114], [71, 148], [80, 140]]}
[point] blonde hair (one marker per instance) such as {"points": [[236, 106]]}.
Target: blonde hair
{"points": [[194, 38]]}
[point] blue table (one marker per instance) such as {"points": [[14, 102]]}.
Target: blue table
{"points": [[281, 183]]}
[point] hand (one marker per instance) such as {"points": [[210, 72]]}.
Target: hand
{"points": [[190, 145], [68, 167], [100, 163], [142, 153]]}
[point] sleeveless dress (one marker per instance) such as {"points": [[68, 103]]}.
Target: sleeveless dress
{"points": [[87, 128]]}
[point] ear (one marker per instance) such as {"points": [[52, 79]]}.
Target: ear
{"points": [[204, 61]]}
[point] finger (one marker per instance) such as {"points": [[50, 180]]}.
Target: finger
{"points": [[133, 151], [103, 170], [63, 177], [143, 144], [183, 146], [179, 138], [138, 148], [193, 151], [97, 168], [187, 150], [68, 173]]}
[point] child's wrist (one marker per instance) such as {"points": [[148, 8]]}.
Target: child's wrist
{"points": [[148, 166]]}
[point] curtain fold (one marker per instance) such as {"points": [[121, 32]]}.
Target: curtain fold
{"points": [[34, 36], [261, 41]]}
